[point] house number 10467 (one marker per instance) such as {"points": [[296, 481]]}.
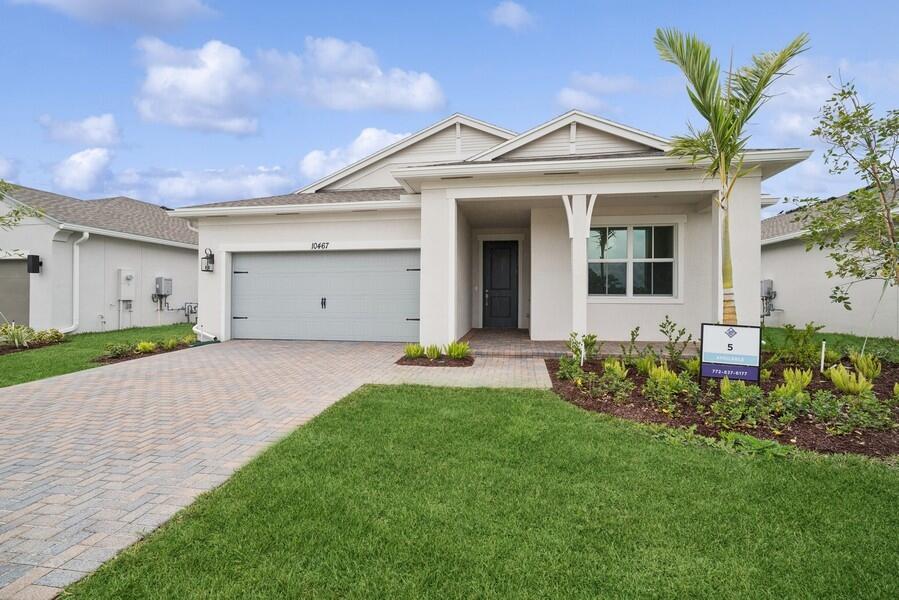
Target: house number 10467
{"points": [[320, 245]]}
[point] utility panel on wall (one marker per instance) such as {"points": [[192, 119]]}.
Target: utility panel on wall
{"points": [[127, 283]]}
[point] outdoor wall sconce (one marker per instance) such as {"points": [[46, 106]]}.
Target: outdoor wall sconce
{"points": [[33, 263], [207, 262]]}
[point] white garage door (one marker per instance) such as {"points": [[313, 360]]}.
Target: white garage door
{"points": [[338, 295]]}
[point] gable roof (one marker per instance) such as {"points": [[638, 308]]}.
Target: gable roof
{"points": [[653, 142], [119, 214], [322, 197], [405, 143]]}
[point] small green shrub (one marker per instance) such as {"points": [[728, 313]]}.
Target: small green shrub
{"points": [[614, 383], [664, 387], [16, 335], [48, 336], [171, 344], [677, 340], [629, 352], [691, 366], [797, 379], [413, 351], [119, 350], [592, 347], [738, 404], [865, 411], [896, 393], [848, 382], [458, 350], [765, 374], [644, 364], [570, 368], [825, 406], [432, 352], [145, 347], [800, 346], [189, 339], [832, 357], [866, 364]]}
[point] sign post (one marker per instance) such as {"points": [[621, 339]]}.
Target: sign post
{"points": [[732, 351]]}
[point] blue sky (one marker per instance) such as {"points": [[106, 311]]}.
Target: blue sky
{"points": [[189, 101]]}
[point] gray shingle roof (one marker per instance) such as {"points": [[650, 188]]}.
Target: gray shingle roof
{"points": [[321, 197], [121, 214], [782, 224]]}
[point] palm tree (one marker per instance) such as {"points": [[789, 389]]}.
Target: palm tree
{"points": [[727, 108]]}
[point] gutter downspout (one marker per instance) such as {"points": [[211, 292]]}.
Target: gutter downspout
{"points": [[196, 328], [76, 289]]}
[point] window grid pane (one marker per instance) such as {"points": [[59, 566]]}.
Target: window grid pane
{"points": [[647, 249]]}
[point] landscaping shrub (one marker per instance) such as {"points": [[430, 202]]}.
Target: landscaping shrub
{"points": [[592, 347], [664, 387], [48, 336], [16, 335], [866, 364], [848, 382], [849, 412], [832, 357], [171, 344], [677, 340], [644, 364], [739, 403], [145, 347], [432, 352], [614, 383], [119, 350], [189, 339], [800, 346], [691, 366], [789, 400], [458, 350], [570, 368], [629, 352], [413, 351]]}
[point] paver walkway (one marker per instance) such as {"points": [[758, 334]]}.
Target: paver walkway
{"points": [[91, 461]]}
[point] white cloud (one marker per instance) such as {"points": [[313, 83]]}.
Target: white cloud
{"points": [[83, 171], [100, 130], [512, 15], [179, 187], [589, 91], [211, 88], [8, 168], [318, 163], [342, 75], [132, 12]]}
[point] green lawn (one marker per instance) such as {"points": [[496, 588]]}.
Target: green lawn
{"points": [[412, 492], [76, 353], [887, 348]]}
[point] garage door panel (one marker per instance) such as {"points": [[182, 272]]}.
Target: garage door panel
{"points": [[370, 295]]}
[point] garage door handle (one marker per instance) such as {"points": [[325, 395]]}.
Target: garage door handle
{"points": [[324, 303]]}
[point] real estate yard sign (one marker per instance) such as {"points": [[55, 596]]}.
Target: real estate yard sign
{"points": [[731, 351]]}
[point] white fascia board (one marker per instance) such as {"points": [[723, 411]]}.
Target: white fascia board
{"points": [[406, 202], [405, 143], [783, 238], [125, 236], [406, 175], [574, 116]]}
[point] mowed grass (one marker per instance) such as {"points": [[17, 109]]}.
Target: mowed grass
{"points": [[76, 353], [887, 348], [415, 492]]}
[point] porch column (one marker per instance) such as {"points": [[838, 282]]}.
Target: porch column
{"points": [[578, 210], [438, 268]]}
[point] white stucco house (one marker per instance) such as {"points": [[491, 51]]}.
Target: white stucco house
{"points": [[579, 224], [803, 289], [94, 264]]}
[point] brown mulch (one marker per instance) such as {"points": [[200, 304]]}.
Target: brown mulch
{"points": [[443, 361], [31, 346], [111, 360], [802, 433]]}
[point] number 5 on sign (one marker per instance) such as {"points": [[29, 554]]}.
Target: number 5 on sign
{"points": [[732, 351]]}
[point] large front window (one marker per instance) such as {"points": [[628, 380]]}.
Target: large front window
{"points": [[631, 260]]}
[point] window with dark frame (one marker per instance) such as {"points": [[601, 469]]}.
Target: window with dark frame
{"points": [[631, 260]]}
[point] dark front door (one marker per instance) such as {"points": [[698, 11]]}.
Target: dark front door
{"points": [[500, 284]]}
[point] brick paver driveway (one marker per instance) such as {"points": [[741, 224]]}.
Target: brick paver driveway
{"points": [[92, 460]]}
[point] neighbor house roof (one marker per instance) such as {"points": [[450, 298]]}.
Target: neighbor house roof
{"points": [[322, 197], [784, 224], [116, 215]]}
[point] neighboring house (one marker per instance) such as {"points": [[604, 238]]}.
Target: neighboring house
{"points": [[579, 224], [99, 263], [803, 289]]}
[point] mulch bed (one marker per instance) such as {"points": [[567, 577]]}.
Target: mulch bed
{"points": [[438, 362], [110, 360], [31, 346], [802, 433]]}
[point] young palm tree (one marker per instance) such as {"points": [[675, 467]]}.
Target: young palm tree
{"points": [[726, 107]]}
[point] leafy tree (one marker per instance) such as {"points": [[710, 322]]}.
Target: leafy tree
{"points": [[865, 144], [15, 214], [726, 107]]}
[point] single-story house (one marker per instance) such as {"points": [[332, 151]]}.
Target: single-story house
{"points": [[94, 265], [579, 224], [802, 289]]}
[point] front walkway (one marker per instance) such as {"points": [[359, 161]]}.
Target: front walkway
{"points": [[91, 461]]}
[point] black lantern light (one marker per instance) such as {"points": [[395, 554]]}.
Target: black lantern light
{"points": [[207, 262], [33, 263]]}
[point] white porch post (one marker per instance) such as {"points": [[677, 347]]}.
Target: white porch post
{"points": [[578, 210], [438, 268]]}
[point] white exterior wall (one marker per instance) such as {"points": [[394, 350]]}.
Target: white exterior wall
{"points": [[50, 297], [277, 233], [803, 294], [745, 233], [439, 279], [463, 274]]}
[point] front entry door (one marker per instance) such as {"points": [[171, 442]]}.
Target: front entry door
{"points": [[500, 284]]}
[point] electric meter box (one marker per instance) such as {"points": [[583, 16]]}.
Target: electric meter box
{"points": [[127, 283], [163, 286]]}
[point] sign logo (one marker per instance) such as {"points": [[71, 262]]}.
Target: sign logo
{"points": [[731, 332]]}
